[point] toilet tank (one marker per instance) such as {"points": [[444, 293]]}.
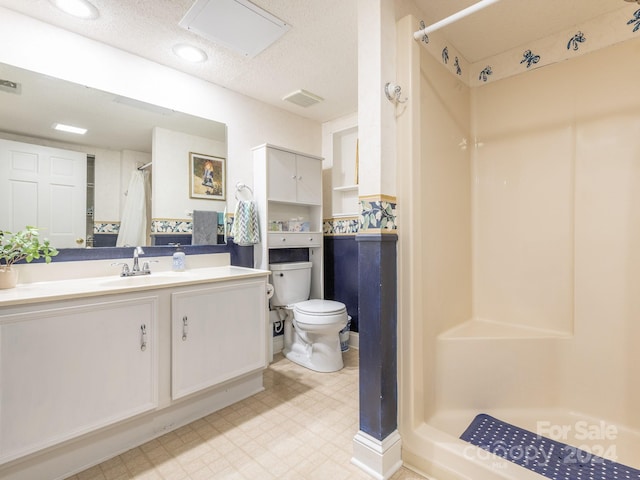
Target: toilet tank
{"points": [[291, 282]]}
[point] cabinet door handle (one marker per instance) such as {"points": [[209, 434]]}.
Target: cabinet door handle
{"points": [[185, 328], [143, 337]]}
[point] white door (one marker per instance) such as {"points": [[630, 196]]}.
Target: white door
{"points": [[43, 187]]}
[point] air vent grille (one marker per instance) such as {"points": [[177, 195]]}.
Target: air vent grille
{"points": [[303, 98], [236, 24]]}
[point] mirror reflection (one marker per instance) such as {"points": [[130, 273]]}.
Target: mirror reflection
{"points": [[125, 181]]}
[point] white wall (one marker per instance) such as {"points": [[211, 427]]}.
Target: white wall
{"points": [[171, 174], [33, 45]]}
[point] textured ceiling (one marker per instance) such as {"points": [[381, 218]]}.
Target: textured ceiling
{"points": [[319, 53]]}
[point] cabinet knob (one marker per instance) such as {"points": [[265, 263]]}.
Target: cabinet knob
{"points": [[293, 177], [284, 239], [300, 177], [311, 239]]}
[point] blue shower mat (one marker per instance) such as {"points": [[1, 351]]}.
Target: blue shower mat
{"points": [[547, 457]]}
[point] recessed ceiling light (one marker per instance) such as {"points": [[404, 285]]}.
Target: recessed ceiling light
{"points": [[189, 53], [69, 128], [78, 8]]}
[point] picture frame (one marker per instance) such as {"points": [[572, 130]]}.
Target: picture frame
{"points": [[207, 177]]}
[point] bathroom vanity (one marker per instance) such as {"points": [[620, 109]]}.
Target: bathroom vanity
{"points": [[92, 367]]}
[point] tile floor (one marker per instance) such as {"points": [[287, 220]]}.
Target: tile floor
{"points": [[301, 427]]}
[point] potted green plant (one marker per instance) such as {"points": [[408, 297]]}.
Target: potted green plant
{"points": [[22, 245]]}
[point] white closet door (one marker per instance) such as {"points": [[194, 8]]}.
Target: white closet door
{"points": [[43, 187]]}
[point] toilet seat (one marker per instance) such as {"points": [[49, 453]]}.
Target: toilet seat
{"points": [[319, 307], [320, 312]]}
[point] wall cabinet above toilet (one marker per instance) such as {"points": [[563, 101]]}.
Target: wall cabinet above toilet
{"points": [[288, 191], [293, 178]]}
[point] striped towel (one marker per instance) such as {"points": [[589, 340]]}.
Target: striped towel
{"points": [[246, 229]]}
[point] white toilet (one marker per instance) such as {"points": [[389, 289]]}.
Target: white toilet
{"points": [[312, 327]]}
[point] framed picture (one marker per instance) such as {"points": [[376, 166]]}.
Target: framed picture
{"points": [[207, 177]]}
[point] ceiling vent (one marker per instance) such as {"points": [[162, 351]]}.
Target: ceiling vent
{"points": [[303, 98], [9, 86], [237, 24]]}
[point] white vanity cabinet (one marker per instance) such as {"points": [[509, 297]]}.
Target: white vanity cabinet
{"points": [[218, 333], [67, 368], [91, 367], [293, 177]]}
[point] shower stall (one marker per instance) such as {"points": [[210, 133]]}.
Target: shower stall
{"points": [[519, 257]]}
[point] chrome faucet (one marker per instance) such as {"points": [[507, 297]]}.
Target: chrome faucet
{"points": [[136, 251], [135, 269]]}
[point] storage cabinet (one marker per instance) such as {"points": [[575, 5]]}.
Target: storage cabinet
{"points": [[288, 186], [68, 370], [293, 178], [217, 333]]}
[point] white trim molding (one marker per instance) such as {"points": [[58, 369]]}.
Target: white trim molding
{"points": [[378, 458]]}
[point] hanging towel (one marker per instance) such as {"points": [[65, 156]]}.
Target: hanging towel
{"points": [[246, 229], [205, 227]]}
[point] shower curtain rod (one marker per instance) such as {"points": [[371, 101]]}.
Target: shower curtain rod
{"points": [[453, 18], [146, 165]]}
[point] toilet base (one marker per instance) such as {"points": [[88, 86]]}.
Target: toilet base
{"points": [[324, 355]]}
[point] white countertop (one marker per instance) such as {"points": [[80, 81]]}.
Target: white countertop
{"points": [[86, 287]]}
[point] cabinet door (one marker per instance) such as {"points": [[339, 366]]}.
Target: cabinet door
{"points": [[218, 333], [309, 176], [281, 175], [67, 371]]}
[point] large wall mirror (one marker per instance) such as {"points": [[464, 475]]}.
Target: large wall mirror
{"points": [[124, 136]]}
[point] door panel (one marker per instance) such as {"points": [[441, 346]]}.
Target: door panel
{"points": [[43, 187]]}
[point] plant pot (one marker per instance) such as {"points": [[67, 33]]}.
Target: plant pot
{"points": [[8, 277]]}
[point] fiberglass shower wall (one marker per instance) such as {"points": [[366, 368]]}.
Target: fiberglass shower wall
{"points": [[531, 229]]}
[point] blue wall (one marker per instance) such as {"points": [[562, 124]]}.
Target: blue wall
{"points": [[341, 273]]}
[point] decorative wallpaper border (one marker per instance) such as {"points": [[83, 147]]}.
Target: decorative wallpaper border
{"points": [[614, 27], [175, 225], [106, 227], [378, 214], [340, 226]]}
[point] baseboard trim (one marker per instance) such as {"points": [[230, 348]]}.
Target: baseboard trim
{"points": [[354, 340], [84, 452], [378, 458]]}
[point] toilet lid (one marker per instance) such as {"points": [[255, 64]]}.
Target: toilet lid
{"points": [[320, 307]]}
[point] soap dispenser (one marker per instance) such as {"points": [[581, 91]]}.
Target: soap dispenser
{"points": [[178, 259]]}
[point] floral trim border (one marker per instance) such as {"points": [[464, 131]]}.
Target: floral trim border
{"points": [[175, 226], [340, 226], [106, 227], [608, 29], [378, 214]]}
